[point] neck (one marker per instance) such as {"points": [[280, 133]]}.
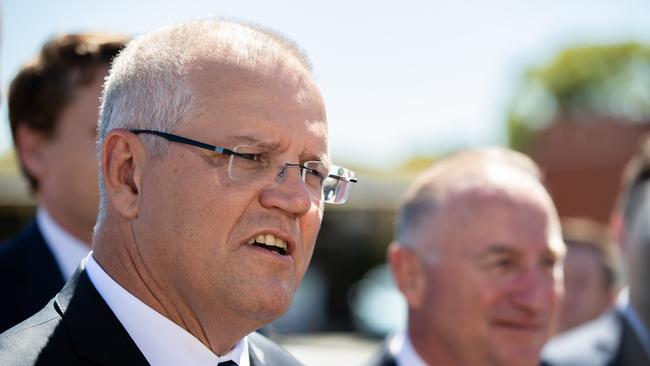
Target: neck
{"points": [[428, 346], [82, 232], [116, 253]]}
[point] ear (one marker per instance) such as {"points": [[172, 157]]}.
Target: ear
{"points": [[122, 161], [30, 145], [408, 272], [617, 226]]}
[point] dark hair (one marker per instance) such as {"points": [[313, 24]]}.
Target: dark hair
{"points": [[589, 234], [48, 82]]}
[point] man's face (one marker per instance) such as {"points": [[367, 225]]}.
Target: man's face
{"points": [[492, 288], [68, 184], [587, 294], [195, 223]]}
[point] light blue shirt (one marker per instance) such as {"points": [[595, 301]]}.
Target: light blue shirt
{"points": [[401, 348], [68, 251]]}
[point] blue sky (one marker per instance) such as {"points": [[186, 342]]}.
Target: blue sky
{"points": [[399, 78]]}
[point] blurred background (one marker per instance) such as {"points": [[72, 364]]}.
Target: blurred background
{"points": [[567, 82]]}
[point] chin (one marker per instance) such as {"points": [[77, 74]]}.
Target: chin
{"points": [[270, 305], [520, 357]]}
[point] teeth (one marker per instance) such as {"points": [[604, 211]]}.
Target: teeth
{"points": [[270, 240]]}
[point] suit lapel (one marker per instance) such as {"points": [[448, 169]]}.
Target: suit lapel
{"points": [[631, 351], [93, 328]]}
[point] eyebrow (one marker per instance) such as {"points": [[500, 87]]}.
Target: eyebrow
{"points": [[253, 141], [274, 146], [496, 249], [323, 158], [502, 249]]}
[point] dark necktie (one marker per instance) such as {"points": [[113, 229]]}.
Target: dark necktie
{"points": [[227, 363]]}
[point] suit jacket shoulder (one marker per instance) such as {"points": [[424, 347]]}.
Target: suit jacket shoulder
{"points": [[265, 352], [29, 276], [78, 328], [607, 341], [75, 328]]}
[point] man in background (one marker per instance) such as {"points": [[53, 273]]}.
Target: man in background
{"points": [[53, 109], [477, 257], [214, 175], [620, 337], [590, 272]]}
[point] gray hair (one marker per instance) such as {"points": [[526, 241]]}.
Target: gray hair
{"points": [[148, 87], [463, 168]]}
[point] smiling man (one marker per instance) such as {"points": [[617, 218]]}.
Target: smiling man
{"points": [[214, 173], [477, 257]]}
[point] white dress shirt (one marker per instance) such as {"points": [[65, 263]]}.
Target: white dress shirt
{"points": [[68, 251], [161, 341], [401, 348]]}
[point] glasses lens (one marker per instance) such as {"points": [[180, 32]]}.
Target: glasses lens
{"points": [[253, 165], [314, 175], [337, 186], [249, 164]]}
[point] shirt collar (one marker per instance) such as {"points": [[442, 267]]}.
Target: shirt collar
{"points": [[401, 348], [171, 344], [68, 251]]}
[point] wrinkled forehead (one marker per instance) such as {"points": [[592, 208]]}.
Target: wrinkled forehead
{"points": [[271, 103]]}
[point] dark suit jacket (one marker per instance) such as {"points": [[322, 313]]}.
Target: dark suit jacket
{"points": [[607, 341], [78, 328], [29, 276], [384, 358]]}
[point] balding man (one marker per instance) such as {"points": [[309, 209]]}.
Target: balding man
{"points": [[478, 259], [214, 173]]}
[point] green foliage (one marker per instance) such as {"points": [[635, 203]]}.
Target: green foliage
{"points": [[611, 81]]}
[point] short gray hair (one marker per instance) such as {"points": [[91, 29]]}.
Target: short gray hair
{"points": [[148, 87], [465, 167]]}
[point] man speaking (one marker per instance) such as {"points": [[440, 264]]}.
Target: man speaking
{"points": [[214, 172]]}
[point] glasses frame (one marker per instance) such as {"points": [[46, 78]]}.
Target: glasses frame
{"points": [[223, 150]]}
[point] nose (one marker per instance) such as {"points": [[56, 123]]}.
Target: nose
{"points": [[289, 194]]}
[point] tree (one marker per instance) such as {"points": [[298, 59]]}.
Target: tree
{"points": [[611, 81]]}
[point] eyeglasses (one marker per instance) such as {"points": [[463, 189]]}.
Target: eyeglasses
{"points": [[249, 165]]}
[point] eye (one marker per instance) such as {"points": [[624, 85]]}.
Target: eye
{"points": [[314, 172], [252, 157], [549, 262], [503, 263]]}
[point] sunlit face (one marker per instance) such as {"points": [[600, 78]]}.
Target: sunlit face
{"points": [[491, 291], [587, 294], [195, 224], [69, 180]]}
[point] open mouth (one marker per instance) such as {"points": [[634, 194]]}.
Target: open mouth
{"points": [[270, 242]]}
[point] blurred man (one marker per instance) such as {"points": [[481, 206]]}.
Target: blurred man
{"points": [[590, 273], [215, 170], [621, 337], [53, 108], [477, 257]]}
